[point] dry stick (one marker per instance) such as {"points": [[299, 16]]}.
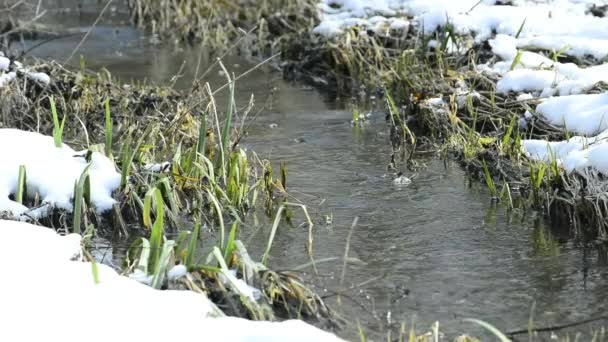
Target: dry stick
{"points": [[20, 28], [257, 66], [88, 32], [12, 7], [559, 326], [472, 8], [237, 42], [37, 45], [346, 250], [212, 93], [178, 75]]}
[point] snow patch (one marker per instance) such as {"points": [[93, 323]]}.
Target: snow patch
{"points": [[59, 297], [51, 172]]}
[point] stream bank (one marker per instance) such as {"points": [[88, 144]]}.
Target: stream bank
{"points": [[329, 159]]}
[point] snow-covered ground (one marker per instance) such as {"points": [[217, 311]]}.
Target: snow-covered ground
{"points": [[529, 33], [51, 172], [49, 294]]}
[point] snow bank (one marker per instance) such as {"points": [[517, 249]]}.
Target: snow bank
{"points": [[583, 114], [537, 73], [380, 16], [51, 172], [575, 154], [562, 26], [47, 295]]}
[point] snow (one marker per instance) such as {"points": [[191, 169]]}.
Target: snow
{"points": [[7, 78], [524, 97], [584, 114], [157, 167], [4, 63], [581, 114], [435, 102], [50, 295], [379, 16], [51, 172], [575, 154], [177, 272], [526, 80], [230, 279], [40, 77], [7, 75], [536, 73]]}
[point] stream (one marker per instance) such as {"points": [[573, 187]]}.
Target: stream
{"points": [[434, 250]]}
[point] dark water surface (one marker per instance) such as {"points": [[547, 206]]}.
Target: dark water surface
{"points": [[436, 249]]}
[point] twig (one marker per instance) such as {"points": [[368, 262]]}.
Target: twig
{"points": [[557, 327], [346, 250], [88, 32]]}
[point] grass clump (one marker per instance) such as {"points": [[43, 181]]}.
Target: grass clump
{"points": [[184, 178], [261, 26]]}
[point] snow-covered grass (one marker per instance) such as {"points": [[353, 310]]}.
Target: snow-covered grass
{"points": [[51, 295], [528, 40], [51, 173], [10, 69]]}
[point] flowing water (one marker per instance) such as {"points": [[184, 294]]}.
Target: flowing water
{"points": [[436, 249]]}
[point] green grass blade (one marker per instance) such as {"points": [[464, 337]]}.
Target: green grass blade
{"points": [[202, 135], [79, 198], [192, 246], [57, 127], [521, 28], [230, 244], [273, 231], [156, 238], [95, 272], [163, 264], [108, 147], [126, 162], [501, 337], [517, 59], [489, 180], [21, 190], [506, 140], [220, 216]]}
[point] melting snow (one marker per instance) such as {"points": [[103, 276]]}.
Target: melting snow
{"points": [[51, 172], [50, 296], [7, 75]]}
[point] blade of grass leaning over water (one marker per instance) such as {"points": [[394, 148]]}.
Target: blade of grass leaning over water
{"points": [[499, 335], [275, 227], [489, 181]]}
